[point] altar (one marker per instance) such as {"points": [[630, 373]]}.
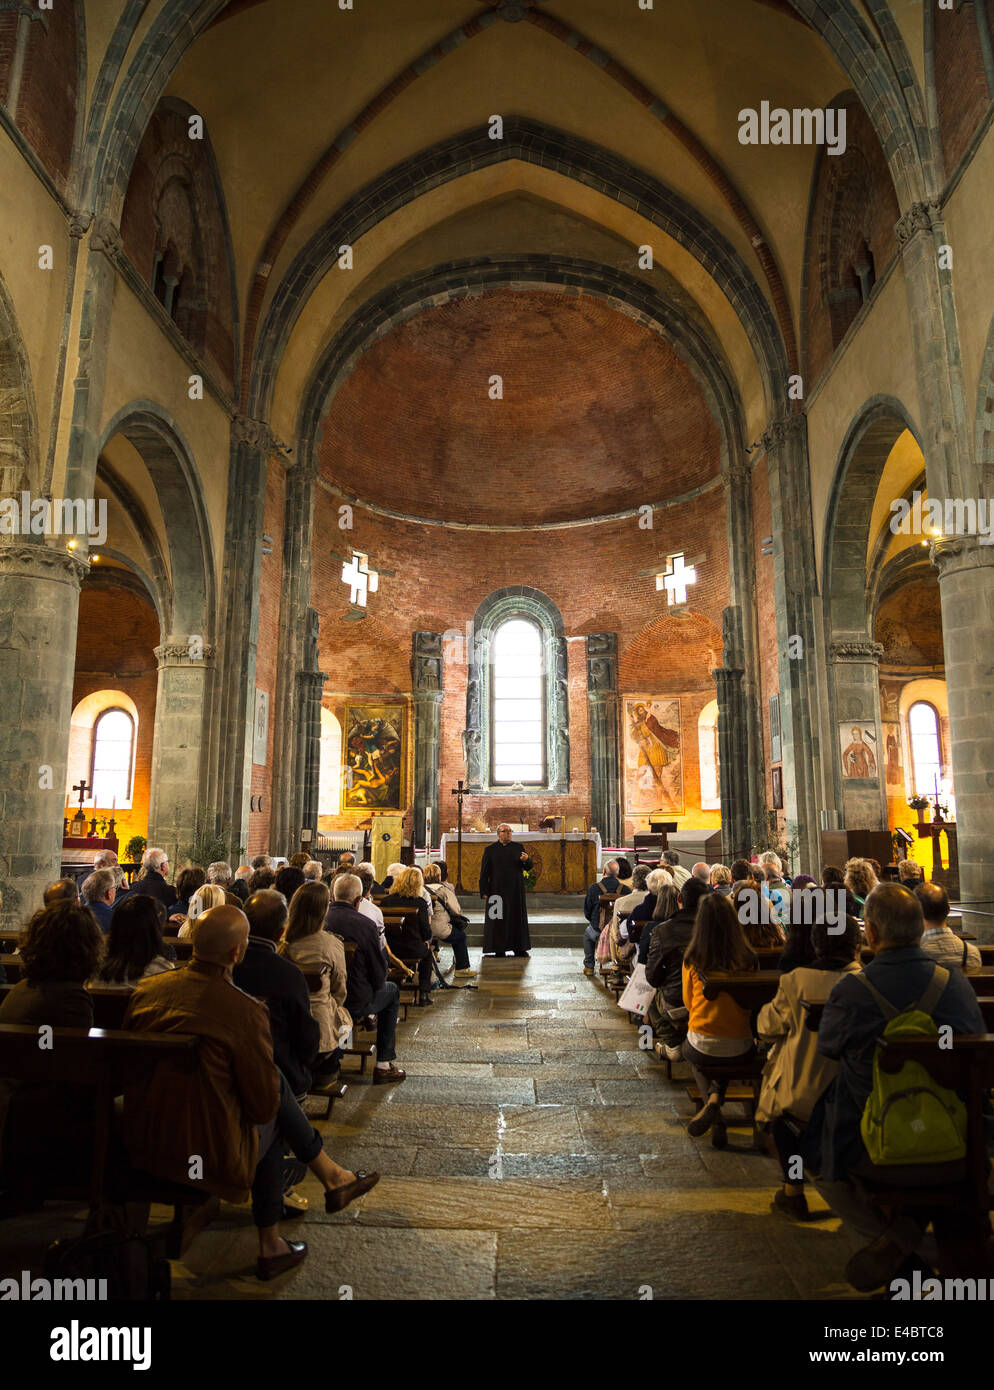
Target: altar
{"points": [[581, 853]]}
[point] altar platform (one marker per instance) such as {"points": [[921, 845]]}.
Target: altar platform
{"points": [[580, 851]]}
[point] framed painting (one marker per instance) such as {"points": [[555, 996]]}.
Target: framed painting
{"points": [[776, 751], [778, 789], [893, 759], [653, 744], [375, 757]]}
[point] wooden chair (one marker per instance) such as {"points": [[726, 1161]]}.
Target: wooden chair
{"points": [[361, 1050]]}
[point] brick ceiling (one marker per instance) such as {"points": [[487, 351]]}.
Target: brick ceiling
{"points": [[598, 415]]}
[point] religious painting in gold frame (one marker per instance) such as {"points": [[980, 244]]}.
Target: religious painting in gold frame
{"points": [[375, 749]]}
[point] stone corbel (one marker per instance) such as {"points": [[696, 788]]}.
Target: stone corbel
{"points": [[920, 217]]}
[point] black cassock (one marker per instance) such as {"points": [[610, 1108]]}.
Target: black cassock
{"points": [[501, 878]]}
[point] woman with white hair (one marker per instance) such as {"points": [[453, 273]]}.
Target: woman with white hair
{"points": [[620, 936], [210, 895]]}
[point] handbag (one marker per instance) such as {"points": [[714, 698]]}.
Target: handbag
{"points": [[638, 994], [603, 952]]}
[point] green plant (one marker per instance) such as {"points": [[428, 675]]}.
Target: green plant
{"points": [[211, 842], [134, 849], [918, 803], [768, 834], [531, 878]]}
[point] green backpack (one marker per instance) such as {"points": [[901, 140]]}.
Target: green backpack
{"points": [[909, 1117]]}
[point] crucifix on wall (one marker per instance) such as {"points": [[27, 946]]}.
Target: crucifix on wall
{"points": [[675, 577]]}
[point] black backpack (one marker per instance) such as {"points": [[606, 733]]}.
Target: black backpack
{"points": [[133, 1265]]}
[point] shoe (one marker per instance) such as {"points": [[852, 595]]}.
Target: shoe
{"points": [[719, 1135], [795, 1205], [340, 1197], [383, 1076], [425, 1000], [295, 1201], [675, 1054], [703, 1120], [466, 974], [522, 953], [875, 1264], [588, 970], [268, 1266]]}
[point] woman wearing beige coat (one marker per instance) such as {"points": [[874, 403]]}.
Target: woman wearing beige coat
{"points": [[796, 1073], [308, 945]]}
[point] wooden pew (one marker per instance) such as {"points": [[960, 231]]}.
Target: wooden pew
{"points": [[750, 990], [105, 1061], [813, 1012], [328, 1090], [393, 922], [13, 967], [361, 1050]]}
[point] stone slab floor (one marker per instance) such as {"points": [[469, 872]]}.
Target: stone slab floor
{"points": [[534, 1152]]}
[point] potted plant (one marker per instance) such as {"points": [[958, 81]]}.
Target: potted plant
{"points": [[134, 849], [531, 878]]}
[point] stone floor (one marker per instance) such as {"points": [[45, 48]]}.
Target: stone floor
{"points": [[533, 1153]]}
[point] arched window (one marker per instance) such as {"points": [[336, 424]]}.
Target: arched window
{"points": [[113, 757], [330, 775], [517, 710], [926, 749]]}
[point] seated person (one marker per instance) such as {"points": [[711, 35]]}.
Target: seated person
{"points": [[412, 942], [265, 974], [396, 968], [903, 975], [649, 909], [309, 946], [938, 938], [369, 991], [757, 915], [796, 1073], [909, 874], [62, 890], [718, 1030], [261, 878], [288, 880], [671, 861], [392, 871], [154, 878], [299, 860], [134, 944], [607, 883], [236, 1111], [667, 938], [628, 902], [44, 1129], [443, 927], [187, 883], [624, 873], [721, 880], [860, 880], [97, 892], [210, 895], [774, 887]]}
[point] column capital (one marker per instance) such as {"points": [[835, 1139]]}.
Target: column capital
{"points": [[179, 653], [950, 554], [783, 430], [257, 435], [315, 679], [43, 562], [426, 663], [857, 649], [602, 664], [920, 217], [727, 675], [106, 238], [79, 224]]}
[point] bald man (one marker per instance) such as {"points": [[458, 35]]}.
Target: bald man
{"points": [[226, 1126]]}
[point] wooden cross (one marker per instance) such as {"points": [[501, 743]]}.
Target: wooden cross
{"points": [[84, 792], [458, 792]]}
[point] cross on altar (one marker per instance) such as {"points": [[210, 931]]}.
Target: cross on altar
{"points": [[360, 578], [458, 792], [675, 578], [84, 792]]}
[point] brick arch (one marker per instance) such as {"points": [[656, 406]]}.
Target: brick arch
{"points": [[955, 73], [51, 58], [20, 460], [864, 452], [531, 142], [555, 274], [192, 594]]}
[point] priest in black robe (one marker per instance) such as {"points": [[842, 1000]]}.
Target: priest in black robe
{"points": [[502, 886]]}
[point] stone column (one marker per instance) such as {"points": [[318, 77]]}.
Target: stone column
{"points": [[741, 644], [176, 806], [786, 445], [427, 692], [733, 741], [856, 687], [39, 607], [605, 760], [966, 589], [310, 685], [251, 445]]}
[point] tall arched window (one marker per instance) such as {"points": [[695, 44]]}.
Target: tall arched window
{"points": [[926, 749], [113, 757], [517, 712]]}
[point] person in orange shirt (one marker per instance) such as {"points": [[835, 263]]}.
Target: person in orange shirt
{"points": [[718, 1030]]}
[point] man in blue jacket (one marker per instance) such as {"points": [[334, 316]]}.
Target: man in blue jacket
{"points": [[851, 1023], [592, 911], [368, 991]]}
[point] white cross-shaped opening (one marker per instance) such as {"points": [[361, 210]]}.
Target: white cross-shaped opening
{"points": [[360, 578], [675, 578]]}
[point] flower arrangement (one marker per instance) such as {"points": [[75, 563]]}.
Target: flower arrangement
{"points": [[531, 878], [918, 803]]}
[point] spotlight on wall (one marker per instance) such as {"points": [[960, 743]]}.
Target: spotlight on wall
{"points": [[767, 545]]}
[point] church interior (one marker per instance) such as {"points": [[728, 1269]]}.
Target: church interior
{"points": [[420, 418]]}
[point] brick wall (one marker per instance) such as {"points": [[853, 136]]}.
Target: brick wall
{"points": [[960, 81], [46, 110], [8, 38], [268, 649], [115, 650], [854, 201], [172, 200]]}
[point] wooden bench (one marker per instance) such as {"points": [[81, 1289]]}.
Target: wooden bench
{"points": [[105, 1061], [13, 968], [813, 1012]]}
